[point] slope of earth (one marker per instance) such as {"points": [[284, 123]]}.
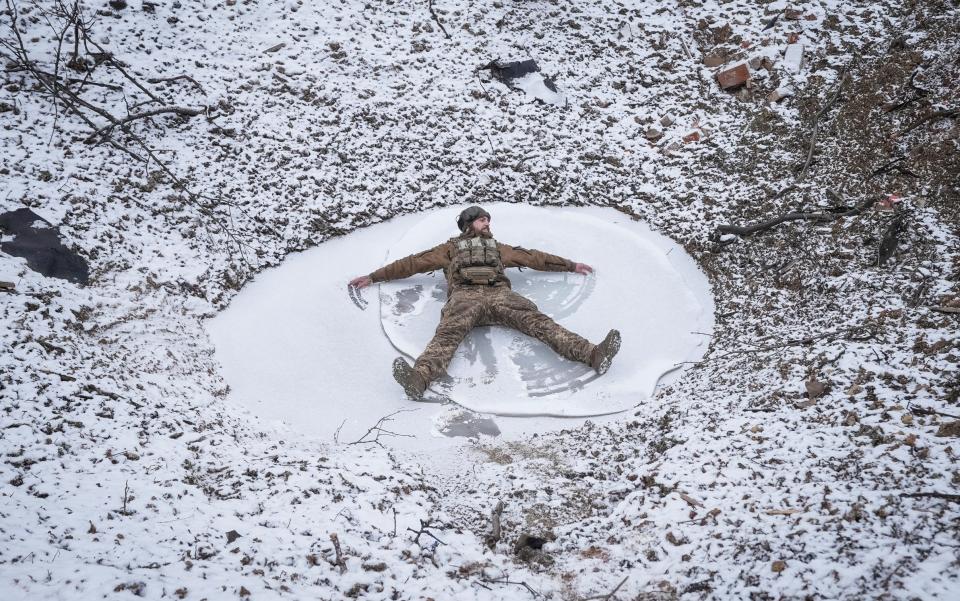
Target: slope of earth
{"points": [[809, 454]]}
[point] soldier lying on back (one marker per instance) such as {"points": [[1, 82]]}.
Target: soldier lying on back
{"points": [[479, 294]]}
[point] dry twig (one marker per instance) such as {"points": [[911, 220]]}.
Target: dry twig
{"points": [[339, 562], [377, 430], [520, 583], [609, 595], [816, 123], [437, 19], [424, 525]]}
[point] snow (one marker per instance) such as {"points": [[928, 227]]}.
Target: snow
{"points": [[294, 349], [124, 462]]}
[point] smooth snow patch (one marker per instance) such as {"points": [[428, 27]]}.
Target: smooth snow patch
{"points": [[295, 349]]}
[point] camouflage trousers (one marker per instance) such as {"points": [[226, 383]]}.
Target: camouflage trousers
{"points": [[487, 306]]}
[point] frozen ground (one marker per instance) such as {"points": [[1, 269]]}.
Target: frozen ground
{"points": [[811, 453], [293, 343]]}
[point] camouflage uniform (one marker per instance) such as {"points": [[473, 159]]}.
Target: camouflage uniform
{"points": [[493, 303]]}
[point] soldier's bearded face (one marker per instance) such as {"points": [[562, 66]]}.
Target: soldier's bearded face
{"points": [[481, 226]]}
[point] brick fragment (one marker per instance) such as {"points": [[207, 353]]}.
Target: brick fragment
{"points": [[734, 77]]}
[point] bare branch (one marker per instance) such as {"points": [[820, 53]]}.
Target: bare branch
{"points": [[377, 430], [816, 122], [156, 80], [122, 123], [437, 19]]}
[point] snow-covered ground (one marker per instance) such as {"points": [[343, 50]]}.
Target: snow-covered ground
{"points": [[810, 453]]}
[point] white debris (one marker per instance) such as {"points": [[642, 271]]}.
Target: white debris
{"points": [[793, 58]]}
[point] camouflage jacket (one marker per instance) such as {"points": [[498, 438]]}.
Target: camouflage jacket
{"points": [[442, 257]]}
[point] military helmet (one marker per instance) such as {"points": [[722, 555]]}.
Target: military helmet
{"points": [[469, 215]]}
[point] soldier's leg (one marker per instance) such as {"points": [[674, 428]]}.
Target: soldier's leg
{"points": [[459, 316], [515, 311]]}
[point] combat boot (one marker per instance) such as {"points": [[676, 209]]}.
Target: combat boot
{"points": [[411, 380], [604, 352]]}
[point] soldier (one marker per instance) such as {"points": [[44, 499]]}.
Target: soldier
{"points": [[479, 294]]}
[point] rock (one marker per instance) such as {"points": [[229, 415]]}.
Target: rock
{"points": [[529, 549], [118, 4], [653, 134], [673, 540], [778, 566], [528, 541], [37, 241], [525, 75], [949, 429], [666, 121], [734, 77], [906, 419], [779, 94], [815, 389], [715, 59], [851, 418]]}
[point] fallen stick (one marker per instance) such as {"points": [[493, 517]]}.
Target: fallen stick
{"points": [[944, 114], [521, 583], [336, 548], [156, 80], [933, 495], [424, 525], [816, 123], [766, 225], [818, 216], [380, 431], [867, 334], [437, 19], [122, 123], [609, 595], [945, 309]]}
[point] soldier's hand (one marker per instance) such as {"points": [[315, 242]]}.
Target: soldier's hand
{"points": [[583, 268], [361, 282]]}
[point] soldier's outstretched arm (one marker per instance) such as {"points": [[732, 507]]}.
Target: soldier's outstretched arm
{"points": [[429, 260], [517, 256]]}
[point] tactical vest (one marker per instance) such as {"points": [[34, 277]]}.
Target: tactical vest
{"points": [[477, 261]]}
